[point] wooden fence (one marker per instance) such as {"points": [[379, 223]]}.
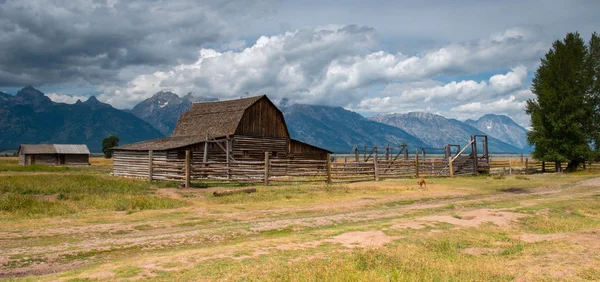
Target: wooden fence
{"points": [[157, 166], [515, 166]]}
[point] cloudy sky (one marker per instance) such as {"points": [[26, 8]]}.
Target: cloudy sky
{"points": [[458, 58]]}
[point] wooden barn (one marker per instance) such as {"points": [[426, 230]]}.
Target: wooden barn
{"points": [[235, 130], [54, 154]]}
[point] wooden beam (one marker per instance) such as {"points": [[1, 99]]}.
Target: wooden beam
{"points": [[221, 193], [188, 158], [387, 152], [329, 168], [417, 162], [150, 164], [205, 155], [228, 156], [266, 169], [544, 166], [474, 148], [375, 169], [451, 170]]}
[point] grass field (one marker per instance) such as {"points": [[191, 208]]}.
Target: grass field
{"points": [[80, 224]]}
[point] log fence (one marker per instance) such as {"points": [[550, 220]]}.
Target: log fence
{"points": [[160, 166]]}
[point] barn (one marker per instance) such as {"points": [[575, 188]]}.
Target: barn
{"points": [[234, 130], [54, 154]]}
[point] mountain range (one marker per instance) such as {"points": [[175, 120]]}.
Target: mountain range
{"points": [[164, 109], [439, 131], [31, 117]]}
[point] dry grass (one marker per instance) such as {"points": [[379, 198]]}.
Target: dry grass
{"points": [[302, 232]]}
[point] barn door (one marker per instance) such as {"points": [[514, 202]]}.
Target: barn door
{"points": [[61, 159]]}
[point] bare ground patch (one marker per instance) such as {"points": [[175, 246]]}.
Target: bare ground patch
{"points": [[363, 239], [477, 217]]}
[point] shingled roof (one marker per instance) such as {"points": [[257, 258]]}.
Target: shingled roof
{"points": [[217, 118], [70, 149], [163, 143]]}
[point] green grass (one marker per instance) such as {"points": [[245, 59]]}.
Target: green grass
{"points": [[32, 168], [127, 271], [562, 216], [52, 195]]}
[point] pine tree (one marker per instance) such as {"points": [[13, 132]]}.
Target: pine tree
{"points": [[561, 112], [594, 95]]}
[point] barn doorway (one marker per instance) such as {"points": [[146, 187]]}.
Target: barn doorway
{"points": [[61, 159]]}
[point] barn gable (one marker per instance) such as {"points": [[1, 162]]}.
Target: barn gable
{"points": [[263, 119]]}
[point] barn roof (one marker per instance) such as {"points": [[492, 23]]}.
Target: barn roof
{"points": [[71, 149], [306, 144], [163, 143], [217, 118]]}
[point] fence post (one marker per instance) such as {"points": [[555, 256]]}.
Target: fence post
{"points": [[266, 168], [509, 165], [543, 166], [228, 156], [417, 163], [329, 168], [150, 166], [375, 170], [188, 157], [521, 158], [387, 152], [526, 165], [450, 167]]}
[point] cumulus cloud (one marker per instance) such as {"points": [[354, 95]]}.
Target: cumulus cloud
{"points": [[501, 94], [335, 65], [67, 99], [93, 41]]}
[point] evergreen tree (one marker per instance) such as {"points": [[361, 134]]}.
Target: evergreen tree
{"points": [[561, 113], [594, 95], [107, 144]]}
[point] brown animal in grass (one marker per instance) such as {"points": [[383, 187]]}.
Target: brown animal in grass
{"points": [[422, 183]]}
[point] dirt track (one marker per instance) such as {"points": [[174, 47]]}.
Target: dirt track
{"points": [[27, 256]]}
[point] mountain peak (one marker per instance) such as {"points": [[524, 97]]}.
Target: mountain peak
{"points": [[92, 99], [95, 104], [165, 95], [30, 95], [30, 92]]}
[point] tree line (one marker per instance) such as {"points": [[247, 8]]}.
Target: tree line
{"points": [[565, 114]]}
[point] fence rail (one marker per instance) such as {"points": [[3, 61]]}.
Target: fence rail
{"points": [[159, 167]]}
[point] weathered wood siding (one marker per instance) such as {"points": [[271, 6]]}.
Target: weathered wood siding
{"points": [[45, 159], [21, 158], [299, 150], [254, 148], [132, 163], [77, 160], [262, 119]]}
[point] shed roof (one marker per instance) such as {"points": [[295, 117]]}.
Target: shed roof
{"points": [[70, 149], [163, 143], [217, 118], [306, 144]]}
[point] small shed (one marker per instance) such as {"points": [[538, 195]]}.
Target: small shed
{"points": [[54, 154]]}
